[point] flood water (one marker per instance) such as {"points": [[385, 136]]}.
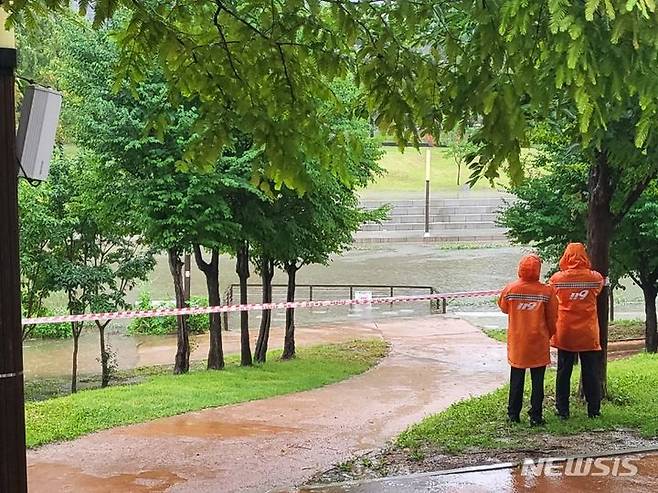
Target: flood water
{"points": [[381, 264]]}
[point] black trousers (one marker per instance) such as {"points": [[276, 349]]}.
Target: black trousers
{"points": [[516, 384], [590, 362]]}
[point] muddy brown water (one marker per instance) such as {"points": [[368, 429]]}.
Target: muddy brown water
{"points": [[397, 264], [53, 358], [401, 264]]}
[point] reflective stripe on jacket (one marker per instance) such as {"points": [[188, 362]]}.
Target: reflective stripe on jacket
{"points": [[531, 308]]}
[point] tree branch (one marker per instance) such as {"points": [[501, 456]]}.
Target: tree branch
{"points": [[635, 279], [633, 197], [200, 262], [285, 71], [227, 49], [250, 26]]}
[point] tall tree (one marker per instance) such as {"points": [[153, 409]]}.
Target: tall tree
{"points": [[210, 218], [72, 249], [551, 211], [93, 258], [315, 226], [635, 249], [300, 229], [249, 208], [140, 161], [119, 254], [36, 222], [509, 63]]}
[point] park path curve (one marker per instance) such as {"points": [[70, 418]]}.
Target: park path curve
{"points": [[282, 441]]}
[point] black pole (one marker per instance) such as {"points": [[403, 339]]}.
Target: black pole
{"points": [[13, 467]]}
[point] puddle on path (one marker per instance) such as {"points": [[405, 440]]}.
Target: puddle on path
{"points": [[202, 427], [71, 479]]}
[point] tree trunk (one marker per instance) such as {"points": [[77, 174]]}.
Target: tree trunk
{"points": [[182, 363], [289, 338], [211, 271], [267, 274], [105, 356], [600, 227], [651, 328], [76, 329], [242, 269]]}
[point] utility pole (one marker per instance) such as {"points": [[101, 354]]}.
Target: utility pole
{"points": [[13, 468]]}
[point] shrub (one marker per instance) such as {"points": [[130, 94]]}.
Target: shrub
{"points": [[50, 331], [166, 325]]}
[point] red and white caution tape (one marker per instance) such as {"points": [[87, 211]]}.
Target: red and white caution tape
{"points": [[165, 312]]}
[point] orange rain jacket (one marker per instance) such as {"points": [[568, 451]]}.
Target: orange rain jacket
{"points": [[532, 308], [577, 287]]}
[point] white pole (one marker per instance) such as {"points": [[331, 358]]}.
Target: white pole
{"points": [[7, 38], [428, 169]]}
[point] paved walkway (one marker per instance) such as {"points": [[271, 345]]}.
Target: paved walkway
{"points": [[280, 442]]}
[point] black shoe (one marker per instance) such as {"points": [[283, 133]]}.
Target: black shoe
{"points": [[513, 419], [537, 422], [594, 415], [562, 416]]}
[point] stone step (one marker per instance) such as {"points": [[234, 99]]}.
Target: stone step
{"points": [[483, 235], [470, 209], [420, 218], [435, 226], [490, 201]]}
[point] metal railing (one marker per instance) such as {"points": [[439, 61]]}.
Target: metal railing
{"points": [[229, 295]]}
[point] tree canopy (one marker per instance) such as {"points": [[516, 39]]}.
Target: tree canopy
{"points": [[265, 67], [550, 210]]}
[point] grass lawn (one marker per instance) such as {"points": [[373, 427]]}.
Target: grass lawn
{"points": [[619, 330], [406, 172], [499, 335], [65, 418], [480, 423]]}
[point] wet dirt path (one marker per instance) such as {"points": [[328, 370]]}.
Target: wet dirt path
{"points": [[279, 442]]}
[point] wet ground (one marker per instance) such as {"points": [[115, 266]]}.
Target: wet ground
{"points": [[283, 441], [512, 480], [397, 264], [392, 461], [53, 358]]}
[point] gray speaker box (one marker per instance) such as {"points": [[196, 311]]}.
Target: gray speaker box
{"points": [[35, 139]]}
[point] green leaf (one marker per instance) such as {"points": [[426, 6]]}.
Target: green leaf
{"points": [[591, 6]]}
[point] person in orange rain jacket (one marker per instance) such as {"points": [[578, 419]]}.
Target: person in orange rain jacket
{"points": [[531, 308], [577, 287]]}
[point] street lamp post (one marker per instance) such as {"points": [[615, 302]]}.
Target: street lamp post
{"points": [[13, 468]]}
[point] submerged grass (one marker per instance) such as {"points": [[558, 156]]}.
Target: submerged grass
{"points": [[619, 330], [160, 395]]}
